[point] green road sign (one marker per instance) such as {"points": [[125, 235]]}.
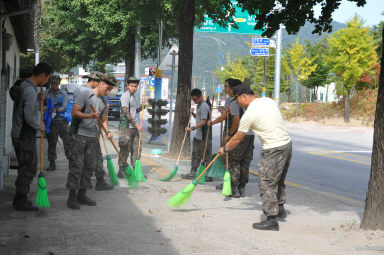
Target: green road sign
{"points": [[245, 22]]}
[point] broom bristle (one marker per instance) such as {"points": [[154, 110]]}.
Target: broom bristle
{"points": [[111, 171], [42, 195], [202, 179], [130, 176], [217, 169], [183, 196], [139, 172], [171, 175], [227, 189]]}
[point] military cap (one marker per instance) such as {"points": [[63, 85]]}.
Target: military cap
{"points": [[133, 79], [241, 89], [109, 79], [94, 76], [55, 79]]}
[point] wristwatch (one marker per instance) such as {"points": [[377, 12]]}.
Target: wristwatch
{"points": [[193, 128]]}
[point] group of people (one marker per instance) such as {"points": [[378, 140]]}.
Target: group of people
{"points": [[80, 138], [245, 116]]}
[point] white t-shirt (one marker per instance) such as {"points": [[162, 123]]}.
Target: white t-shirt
{"points": [[264, 119]]}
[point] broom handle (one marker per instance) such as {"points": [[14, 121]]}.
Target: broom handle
{"points": [[106, 132], [209, 128], [42, 132], [105, 145], [221, 134], [226, 153], [185, 136], [142, 114], [207, 167]]}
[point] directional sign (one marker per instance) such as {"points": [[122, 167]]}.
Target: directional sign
{"points": [[259, 52], [151, 81], [256, 41], [219, 89], [244, 21]]}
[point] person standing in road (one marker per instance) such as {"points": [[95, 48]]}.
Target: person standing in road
{"points": [[202, 114], [129, 129], [59, 125], [239, 158], [264, 119], [85, 154], [25, 125]]}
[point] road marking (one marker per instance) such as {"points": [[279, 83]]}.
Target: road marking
{"points": [[316, 191], [326, 154], [353, 155]]}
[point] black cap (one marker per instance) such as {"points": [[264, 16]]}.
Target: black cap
{"points": [[241, 89]]}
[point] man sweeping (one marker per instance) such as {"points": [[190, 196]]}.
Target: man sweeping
{"points": [[201, 129], [240, 158], [85, 143], [59, 125], [129, 128], [264, 119], [25, 124], [94, 78]]}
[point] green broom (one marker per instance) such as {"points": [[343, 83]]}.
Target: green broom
{"points": [[42, 195], [129, 173], [227, 189], [111, 169], [138, 171], [217, 170], [174, 172], [201, 169], [185, 194]]}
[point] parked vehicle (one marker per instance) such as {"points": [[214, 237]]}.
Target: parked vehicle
{"points": [[114, 107]]}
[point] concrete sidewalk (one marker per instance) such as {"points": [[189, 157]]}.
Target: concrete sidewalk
{"points": [[139, 221]]}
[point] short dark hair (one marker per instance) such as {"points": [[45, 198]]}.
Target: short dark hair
{"points": [[196, 92], [42, 68], [228, 80], [234, 82]]}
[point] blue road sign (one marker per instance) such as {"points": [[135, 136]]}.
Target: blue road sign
{"points": [[256, 41], [219, 89], [151, 81], [143, 79], [264, 52]]}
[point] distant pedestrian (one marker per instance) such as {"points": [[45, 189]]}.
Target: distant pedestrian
{"points": [[202, 114], [85, 154], [264, 119], [25, 125], [129, 128], [59, 125]]}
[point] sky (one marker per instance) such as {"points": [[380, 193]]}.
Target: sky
{"points": [[370, 13]]}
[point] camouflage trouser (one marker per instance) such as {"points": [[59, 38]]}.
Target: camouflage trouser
{"points": [[129, 144], [239, 160], [198, 153], [26, 155], [99, 171], [58, 127], [82, 162], [273, 168]]}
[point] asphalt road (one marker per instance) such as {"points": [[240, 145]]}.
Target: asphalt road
{"points": [[327, 159]]}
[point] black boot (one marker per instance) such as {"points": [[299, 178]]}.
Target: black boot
{"points": [[242, 189], [269, 224], [52, 166], [121, 174], [189, 176], [282, 214], [219, 186], [83, 199], [102, 185], [21, 203], [235, 190], [72, 201]]}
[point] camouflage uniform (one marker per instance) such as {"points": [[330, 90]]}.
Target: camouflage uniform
{"points": [[58, 127], [128, 143], [273, 168], [239, 160], [82, 158], [198, 151]]}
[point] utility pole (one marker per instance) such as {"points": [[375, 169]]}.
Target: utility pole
{"points": [[277, 67], [173, 54]]}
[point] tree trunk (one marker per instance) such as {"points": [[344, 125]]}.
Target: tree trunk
{"points": [[130, 64], [346, 107], [374, 203], [186, 22]]}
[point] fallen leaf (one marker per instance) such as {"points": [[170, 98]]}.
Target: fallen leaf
{"points": [[203, 215], [159, 230], [161, 243], [2, 244], [333, 228], [26, 236], [51, 253], [163, 191], [150, 211]]}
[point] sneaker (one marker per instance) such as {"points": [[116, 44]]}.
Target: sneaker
{"points": [[83, 199], [269, 224], [189, 176], [102, 185]]}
